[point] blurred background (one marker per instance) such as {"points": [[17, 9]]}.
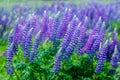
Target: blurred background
{"points": [[7, 3]]}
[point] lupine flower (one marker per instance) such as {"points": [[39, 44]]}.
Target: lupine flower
{"points": [[118, 45], [100, 47], [67, 37], [115, 58], [96, 43], [88, 43], [70, 15], [100, 37], [26, 28], [112, 45], [50, 24], [43, 26], [24, 33], [35, 46], [103, 28], [86, 22], [82, 37], [102, 57], [57, 61], [28, 43], [115, 34], [63, 26], [98, 24], [73, 42], [10, 54], [55, 26], [10, 37]]}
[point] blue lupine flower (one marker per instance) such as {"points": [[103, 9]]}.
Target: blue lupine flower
{"points": [[57, 61], [115, 34], [97, 42], [44, 23], [118, 45], [35, 46], [64, 44], [28, 43], [63, 26], [67, 37], [70, 15], [55, 26], [103, 28], [10, 37], [82, 37], [50, 24], [102, 57], [89, 42], [73, 42], [112, 45], [86, 22], [10, 53], [115, 58]]}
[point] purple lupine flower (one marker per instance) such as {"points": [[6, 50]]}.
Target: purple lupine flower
{"points": [[112, 45], [103, 28], [63, 26], [26, 28], [55, 26], [44, 23], [35, 46], [97, 42], [115, 58], [102, 57], [110, 50], [57, 61], [70, 15], [67, 37], [24, 33], [13, 38], [99, 38], [64, 44], [86, 22], [10, 37], [82, 37], [115, 34], [88, 43], [10, 53], [73, 42], [118, 45], [16, 36], [28, 43], [80, 14], [100, 47], [98, 24], [77, 21], [50, 24]]}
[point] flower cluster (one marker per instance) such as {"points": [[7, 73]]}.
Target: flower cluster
{"points": [[73, 29]]}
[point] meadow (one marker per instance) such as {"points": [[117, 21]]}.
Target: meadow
{"points": [[59, 40]]}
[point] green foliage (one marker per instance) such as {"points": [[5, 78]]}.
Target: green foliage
{"points": [[76, 68]]}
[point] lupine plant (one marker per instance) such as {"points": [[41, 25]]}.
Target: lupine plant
{"points": [[62, 41]]}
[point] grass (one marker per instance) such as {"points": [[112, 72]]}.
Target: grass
{"points": [[3, 46]]}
